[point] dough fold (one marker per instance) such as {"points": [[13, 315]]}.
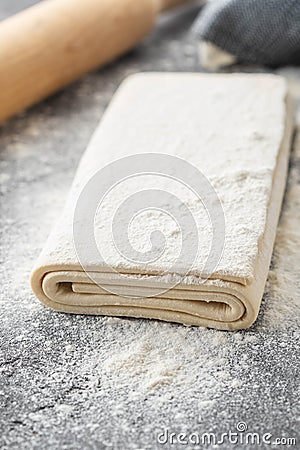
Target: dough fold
{"points": [[236, 129]]}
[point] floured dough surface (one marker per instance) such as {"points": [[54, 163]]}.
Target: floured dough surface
{"points": [[236, 130], [230, 127]]}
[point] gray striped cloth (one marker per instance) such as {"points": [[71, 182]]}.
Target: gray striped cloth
{"points": [[263, 32]]}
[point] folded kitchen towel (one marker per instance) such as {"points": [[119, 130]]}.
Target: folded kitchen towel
{"points": [[173, 211], [249, 31]]}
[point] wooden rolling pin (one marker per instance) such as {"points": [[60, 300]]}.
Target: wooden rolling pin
{"points": [[55, 42]]}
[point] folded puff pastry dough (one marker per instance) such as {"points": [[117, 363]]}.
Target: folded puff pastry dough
{"points": [[237, 130]]}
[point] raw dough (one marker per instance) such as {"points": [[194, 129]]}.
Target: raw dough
{"points": [[237, 130]]}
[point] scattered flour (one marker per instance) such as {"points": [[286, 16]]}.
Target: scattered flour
{"points": [[149, 361], [163, 360]]}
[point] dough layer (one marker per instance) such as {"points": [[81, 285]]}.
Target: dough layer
{"points": [[237, 130]]}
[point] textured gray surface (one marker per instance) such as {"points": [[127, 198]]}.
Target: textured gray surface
{"points": [[91, 382]]}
